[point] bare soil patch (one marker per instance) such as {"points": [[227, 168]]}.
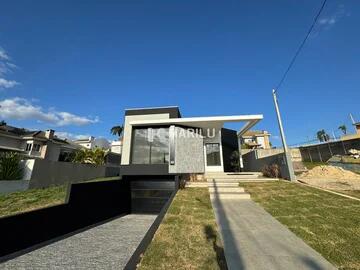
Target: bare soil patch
{"points": [[331, 177]]}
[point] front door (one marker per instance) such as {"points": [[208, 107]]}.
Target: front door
{"points": [[213, 159]]}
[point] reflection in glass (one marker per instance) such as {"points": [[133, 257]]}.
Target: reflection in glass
{"points": [[213, 154], [150, 146]]}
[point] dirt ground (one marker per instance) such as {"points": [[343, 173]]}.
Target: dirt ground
{"points": [[331, 177]]}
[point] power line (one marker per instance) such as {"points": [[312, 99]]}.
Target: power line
{"points": [[301, 46]]}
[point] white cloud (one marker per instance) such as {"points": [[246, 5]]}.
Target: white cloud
{"points": [[22, 109], [71, 136], [7, 84], [3, 54], [329, 21], [6, 66]]}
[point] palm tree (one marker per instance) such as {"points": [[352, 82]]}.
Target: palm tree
{"points": [[322, 136], [343, 129], [117, 130]]}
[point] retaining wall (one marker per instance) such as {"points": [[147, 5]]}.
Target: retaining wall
{"points": [[87, 204], [44, 173], [324, 151], [13, 186]]}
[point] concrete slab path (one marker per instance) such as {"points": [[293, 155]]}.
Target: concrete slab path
{"points": [[107, 246], [255, 240]]}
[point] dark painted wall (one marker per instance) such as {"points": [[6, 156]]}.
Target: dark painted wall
{"points": [[88, 204], [173, 112], [144, 169], [230, 144]]}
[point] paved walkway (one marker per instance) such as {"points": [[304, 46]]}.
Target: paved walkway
{"points": [[107, 246], [253, 239]]}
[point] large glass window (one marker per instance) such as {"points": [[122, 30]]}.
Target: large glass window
{"points": [[150, 146], [213, 154]]}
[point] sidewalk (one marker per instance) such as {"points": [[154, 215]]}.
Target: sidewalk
{"points": [[107, 246], [253, 239]]}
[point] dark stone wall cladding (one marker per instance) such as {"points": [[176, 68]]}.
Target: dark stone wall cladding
{"points": [[88, 204]]}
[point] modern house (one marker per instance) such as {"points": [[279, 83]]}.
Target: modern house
{"points": [[92, 143], [116, 146], [255, 139], [158, 141], [357, 127], [35, 144]]}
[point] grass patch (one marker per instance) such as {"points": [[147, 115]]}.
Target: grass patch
{"points": [[327, 222], [101, 179], [188, 237], [310, 165], [24, 201]]}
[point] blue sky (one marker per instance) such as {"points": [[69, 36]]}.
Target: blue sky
{"points": [[75, 66]]}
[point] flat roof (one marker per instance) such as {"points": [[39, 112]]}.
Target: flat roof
{"points": [[204, 122], [173, 111]]}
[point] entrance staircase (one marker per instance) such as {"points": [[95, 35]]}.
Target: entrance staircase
{"points": [[226, 185]]}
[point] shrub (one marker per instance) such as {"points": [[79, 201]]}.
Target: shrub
{"points": [[10, 168], [95, 156], [272, 171], [235, 161]]}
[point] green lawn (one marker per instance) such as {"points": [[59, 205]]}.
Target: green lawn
{"points": [[327, 222], [23, 201], [188, 237]]}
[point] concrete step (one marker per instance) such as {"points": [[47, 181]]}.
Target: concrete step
{"points": [[233, 173], [222, 176], [221, 180], [232, 196], [223, 184], [197, 184], [226, 189]]}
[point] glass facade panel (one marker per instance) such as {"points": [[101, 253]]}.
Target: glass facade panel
{"points": [[150, 146], [140, 147], [213, 154]]}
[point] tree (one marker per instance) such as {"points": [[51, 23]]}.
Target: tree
{"points": [[2, 123], [322, 136], [88, 156], [117, 130], [343, 129]]}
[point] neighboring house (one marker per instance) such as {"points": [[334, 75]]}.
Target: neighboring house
{"points": [[116, 146], [357, 126], [158, 141], [255, 139], [35, 144], [92, 143], [352, 136]]}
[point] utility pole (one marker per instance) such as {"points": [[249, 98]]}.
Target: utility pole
{"points": [[287, 155], [353, 122]]}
